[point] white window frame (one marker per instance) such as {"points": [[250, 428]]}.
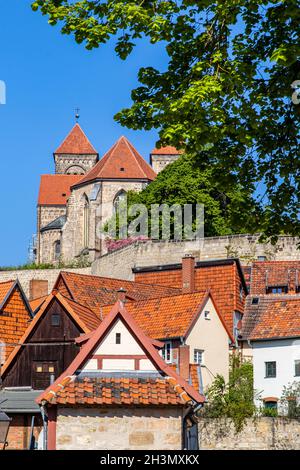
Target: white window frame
{"points": [[197, 351], [164, 352]]}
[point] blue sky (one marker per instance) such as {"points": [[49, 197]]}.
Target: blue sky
{"points": [[47, 76]]}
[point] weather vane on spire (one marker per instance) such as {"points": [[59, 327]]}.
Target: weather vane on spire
{"points": [[77, 115]]}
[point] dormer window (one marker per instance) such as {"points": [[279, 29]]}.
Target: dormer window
{"points": [[277, 289], [118, 338]]}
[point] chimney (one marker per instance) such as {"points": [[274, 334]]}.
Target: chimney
{"points": [[121, 294], [188, 274], [184, 361], [38, 288]]}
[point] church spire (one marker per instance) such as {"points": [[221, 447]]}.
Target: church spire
{"points": [[76, 143]]}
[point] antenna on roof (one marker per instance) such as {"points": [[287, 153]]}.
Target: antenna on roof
{"points": [[77, 115]]}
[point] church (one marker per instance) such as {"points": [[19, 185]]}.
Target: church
{"points": [[82, 194]]}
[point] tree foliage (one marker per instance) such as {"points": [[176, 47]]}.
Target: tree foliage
{"points": [[235, 399], [190, 181], [227, 84]]}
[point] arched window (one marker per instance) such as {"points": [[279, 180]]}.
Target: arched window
{"points": [[75, 170], [86, 222], [119, 198], [57, 250]]}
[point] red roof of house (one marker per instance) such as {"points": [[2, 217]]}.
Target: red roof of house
{"points": [[76, 143], [117, 391], [279, 319], [168, 150], [184, 390], [122, 161], [55, 189], [5, 288], [274, 273], [95, 291]]}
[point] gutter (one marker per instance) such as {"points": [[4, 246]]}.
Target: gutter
{"points": [[45, 426]]}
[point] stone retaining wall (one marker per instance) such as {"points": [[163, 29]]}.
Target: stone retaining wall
{"points": [[259, 434]]}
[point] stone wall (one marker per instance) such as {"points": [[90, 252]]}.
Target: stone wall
{"points": [[74, 164], [246, 247], [117, 428], [259, 434], [25, 276]]}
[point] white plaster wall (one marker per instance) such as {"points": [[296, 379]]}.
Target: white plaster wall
{"points": [[211, 337], [284, 352]]}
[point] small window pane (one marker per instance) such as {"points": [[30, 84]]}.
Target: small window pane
{"points": [[39, 369], [297, 368], [270, 369], [118, 338], [55, 319], [167, 352], [198, 356], [51, 369]]}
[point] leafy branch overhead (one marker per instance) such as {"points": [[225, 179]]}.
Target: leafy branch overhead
{"points": [[226, 89]]}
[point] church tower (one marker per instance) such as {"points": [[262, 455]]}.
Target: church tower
{"points": [[76, 155], [160, 158]]}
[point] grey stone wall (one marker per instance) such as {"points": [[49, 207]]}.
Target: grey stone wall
{"points": [[117, 428], [246, 247], [259, 434], [66, 164], [159, 162], [25, 276]]}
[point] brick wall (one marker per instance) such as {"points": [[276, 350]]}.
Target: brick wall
{"points": [[120, 429], [25, 276], [259, 434], [19, 431]]}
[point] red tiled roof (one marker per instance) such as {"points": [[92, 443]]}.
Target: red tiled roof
{"points": [[95, 291], [165, 317], [122, 161], [76, 143], [5, 288], [168, 150], [117, 391], [55, 189], [37, 303], [274, 273], [276, 318]]}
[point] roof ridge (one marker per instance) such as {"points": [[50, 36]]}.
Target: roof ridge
{"points": [[72, 131]]}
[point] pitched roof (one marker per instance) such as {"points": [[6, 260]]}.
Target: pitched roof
{"points": [[5, 289], [55, 224], [35, 304], [55, 189], [168, 317], [118, 391], [274, 273], [76, 143], [167, 150], [272, 318], [95, 291], [182, 388], [83, 316], [122, 161]]}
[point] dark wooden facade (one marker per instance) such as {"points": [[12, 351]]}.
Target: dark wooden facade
{"points": [[47, 352]]}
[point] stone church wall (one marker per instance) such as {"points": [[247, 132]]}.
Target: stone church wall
{"points": [[64, 163]]}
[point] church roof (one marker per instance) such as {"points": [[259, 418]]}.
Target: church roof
{"points": [[168, 150], [55, 224], [122, 161], [76, 143], [55, 189]]}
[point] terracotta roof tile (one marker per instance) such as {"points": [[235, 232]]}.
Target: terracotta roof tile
{"points": [[95, 291], [55, 189], [265, 274], [76, 143], [5, 287], [122, 161], [165, 317], [37, 303], [167, 150]]}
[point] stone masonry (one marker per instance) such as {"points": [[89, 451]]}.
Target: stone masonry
{"points": [[119, 429], [246, 247], [258, 434]]}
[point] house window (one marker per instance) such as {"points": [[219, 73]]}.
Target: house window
{"points": [[207, 315], [198, 356], [86, 223], [297, 368], [55, 319], [118, 338], [271, 405], [255, 301], [270, 369], [277, 290], [237, 317], [167, 351]]}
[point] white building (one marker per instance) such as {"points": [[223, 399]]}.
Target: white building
{"points": [[273, 335]]}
